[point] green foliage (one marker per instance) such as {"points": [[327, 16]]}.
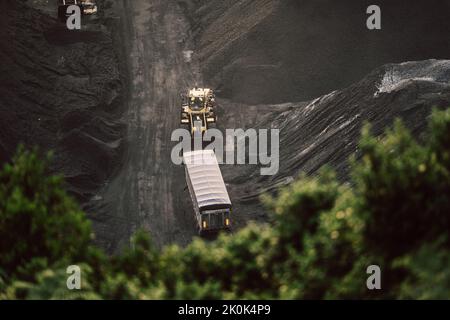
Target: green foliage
{"points": [[322, 238], [403, 189], [50, 284], [429, 272], [39, 223], [219, 264], [297, 208]]}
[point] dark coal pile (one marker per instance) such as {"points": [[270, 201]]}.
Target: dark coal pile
{"points": [[325, 131], [60, 90], [273, 51]]}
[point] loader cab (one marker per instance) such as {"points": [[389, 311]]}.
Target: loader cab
{"points": [[196, 103]]}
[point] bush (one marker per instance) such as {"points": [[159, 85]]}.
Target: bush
{"points": [[403, 188], [39, 223]]}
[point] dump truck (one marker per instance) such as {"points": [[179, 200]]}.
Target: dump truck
{"points": [[198, 109], [87, 7], [212, 205]]}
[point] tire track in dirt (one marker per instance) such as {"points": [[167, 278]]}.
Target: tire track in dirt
{"points": [[149, 192]]}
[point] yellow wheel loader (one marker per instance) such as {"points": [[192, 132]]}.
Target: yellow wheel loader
{"points": [[198, 109]]}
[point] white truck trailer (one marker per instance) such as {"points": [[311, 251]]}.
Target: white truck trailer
{"points": [[212, 205]]}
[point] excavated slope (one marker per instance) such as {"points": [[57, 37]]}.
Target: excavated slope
{"points": [[273, 51], [325, 130], [61, 91]]}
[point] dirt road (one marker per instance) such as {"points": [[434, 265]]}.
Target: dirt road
{"points": [[149, 190]]}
